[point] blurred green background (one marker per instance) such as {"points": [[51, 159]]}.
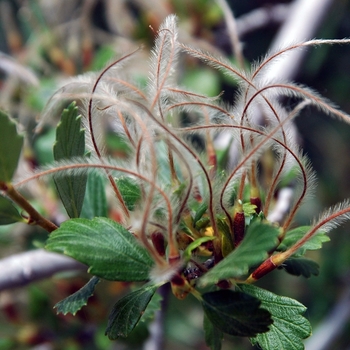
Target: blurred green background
{"points": [[52, 40]]}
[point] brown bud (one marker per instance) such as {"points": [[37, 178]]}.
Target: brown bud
{"points": [[256, 201], [224, 284], [158, 242], [238, 228]]}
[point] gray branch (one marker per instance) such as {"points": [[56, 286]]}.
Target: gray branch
{"points": [[156, 339], [302, 23], [261, 17], [21, 269]]}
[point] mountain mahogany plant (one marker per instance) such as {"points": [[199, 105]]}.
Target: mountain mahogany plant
{"points": [[170, 210]]}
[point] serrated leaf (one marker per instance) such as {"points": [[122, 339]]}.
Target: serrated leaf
{"points": [[194, 245], [249, 209], [301, 266], [110, 251], [213, 336], [260, 238], [73, 303], [130, 191], [10, 147], [126, 313], [70, 142], [314, 243], [8, 213], [289, 327], [236, 313], [153, 306], [95, 202]]}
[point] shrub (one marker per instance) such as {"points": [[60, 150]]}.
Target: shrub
{"points": [[169, 210]]}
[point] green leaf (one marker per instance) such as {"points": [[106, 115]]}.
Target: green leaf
{"points": [[126, 313], [202, 223], [194, 245], [301, 266], [8, 213], [10, 147], [236, 313], [153, 306], [70, 142], [226, 238], [180, 190], [289, 327], [95, 202], [260, 238], [249, 209], [314, 243], [200, 212], [130, 191], [213, 336], [110, 251], [76, 301]]}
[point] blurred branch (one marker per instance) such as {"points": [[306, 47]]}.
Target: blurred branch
{"points": [[126, 21], [154, 10], [261, 17], [302, 23], [282, 206], [304, 18], [17, 70], [21, 269], [332, 325], [156, 329], [232, 31], [8, 23]]}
